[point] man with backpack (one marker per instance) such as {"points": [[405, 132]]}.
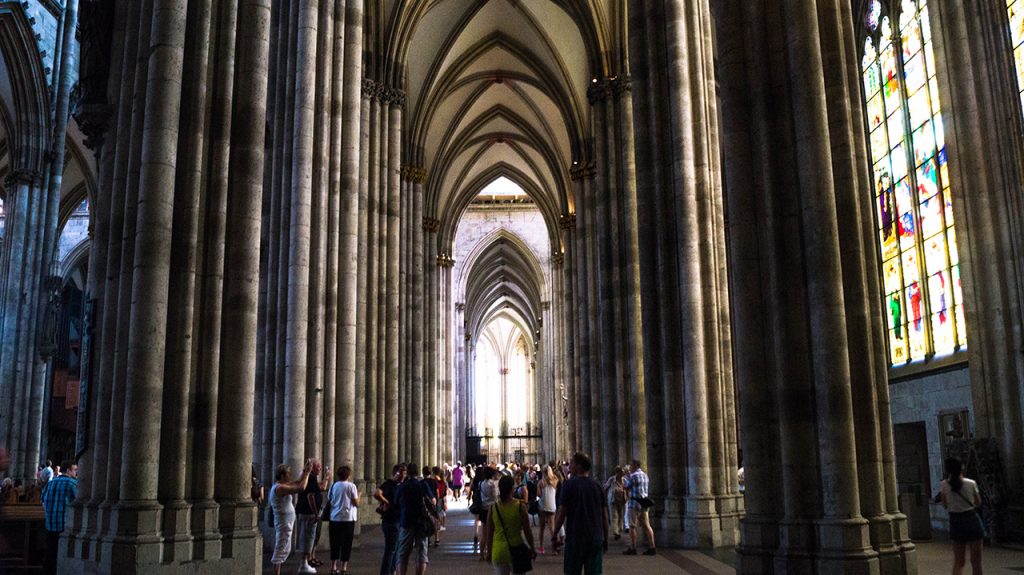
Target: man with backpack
{"points": [[416, 502]]}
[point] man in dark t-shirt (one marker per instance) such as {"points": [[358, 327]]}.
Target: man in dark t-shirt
{"points": [[582, 509], [410, 498], [387, 495]]}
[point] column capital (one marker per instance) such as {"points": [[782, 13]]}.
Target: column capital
{"points": [[431, 225], [23, 176], [372, 89], [414, 174], [393, 97], [582, 169], [558, 259], [567, 221], [445, 260]]}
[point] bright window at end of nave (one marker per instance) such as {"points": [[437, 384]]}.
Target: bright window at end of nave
{"points": [[913, 207]]}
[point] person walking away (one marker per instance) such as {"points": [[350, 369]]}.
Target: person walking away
{"points": [[57, 495], [411, 503], [442, 503], [638, 484], [583, 512], [547, 487], [476, 507], [615, 490], [344, 499], [284, 510], [506, 526], [457, 480], [389, 511], [488, 497], [962, 499]]}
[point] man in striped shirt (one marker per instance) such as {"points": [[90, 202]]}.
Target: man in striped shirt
{"points": [[637, 483], [58, 493]]}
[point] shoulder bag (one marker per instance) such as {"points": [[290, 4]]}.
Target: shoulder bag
{"points": [[521, 559], [977, 515]]}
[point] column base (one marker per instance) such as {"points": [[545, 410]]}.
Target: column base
{"points": [[845, 547], [700, 521], [206, 540], [134, 537], [175, 530], [240, 537], [758, 544]]}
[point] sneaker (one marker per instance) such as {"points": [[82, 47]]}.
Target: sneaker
{"points": [[629, 551], [649, 551], [305, 567], [443, 528]]}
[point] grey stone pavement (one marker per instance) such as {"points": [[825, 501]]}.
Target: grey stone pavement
{"points": [[456, 556]]}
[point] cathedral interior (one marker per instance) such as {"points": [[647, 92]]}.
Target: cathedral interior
{"points": [[785, 236]]}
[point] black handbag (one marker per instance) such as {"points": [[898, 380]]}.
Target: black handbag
{"points": [[522, 558]]}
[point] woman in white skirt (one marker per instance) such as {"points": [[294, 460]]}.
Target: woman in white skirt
{"points": [[284, 510]]}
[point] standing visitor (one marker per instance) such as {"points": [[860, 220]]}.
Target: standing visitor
{"points": [[639, 506], [547, 488], [344, 500], [615, 490], [506, 526], [411, 504], [962, 499], [582, 510], [57, 495], [389, 512], [46, 473], [442, 503], [307, 519], [284, 510], [476, 506], [488, 497], [457, 480]]}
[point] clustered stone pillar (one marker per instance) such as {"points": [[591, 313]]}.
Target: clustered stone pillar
{"points": [[181, 225], [306, 380], [809, 340], [608, 388], [682, 266], [981, 109]]}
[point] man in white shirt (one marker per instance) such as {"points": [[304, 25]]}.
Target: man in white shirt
{"points": [[46, 474]]}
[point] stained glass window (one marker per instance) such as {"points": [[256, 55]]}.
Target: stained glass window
{"points": [[1016, 13], [920, 266]]}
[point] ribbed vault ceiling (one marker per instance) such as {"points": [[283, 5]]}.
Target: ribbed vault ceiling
{"points": [[494, 88]]}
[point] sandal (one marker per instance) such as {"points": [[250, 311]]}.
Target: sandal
{"points": [[315, 562]]}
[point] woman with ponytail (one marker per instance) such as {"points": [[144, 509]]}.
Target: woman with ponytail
{"points": [[961, 498]]}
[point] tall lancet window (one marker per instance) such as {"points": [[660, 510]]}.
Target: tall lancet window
{"points": [[914, 214], [1016, 12]]}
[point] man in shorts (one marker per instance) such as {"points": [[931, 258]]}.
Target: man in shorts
{"points": [[637, 484]]}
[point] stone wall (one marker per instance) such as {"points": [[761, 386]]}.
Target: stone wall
{"points": [[924, 398]]}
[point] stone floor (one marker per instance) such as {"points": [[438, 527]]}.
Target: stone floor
{"points": [[455, 557]]}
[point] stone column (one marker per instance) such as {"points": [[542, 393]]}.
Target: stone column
{"points": [[681, 255], [394, 166], [137, 510], [349, 380], [237, 519], [982, 113]]}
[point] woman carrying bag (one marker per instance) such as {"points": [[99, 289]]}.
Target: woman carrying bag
{"points": [[343, 506], [962, 499], [507, 523]]}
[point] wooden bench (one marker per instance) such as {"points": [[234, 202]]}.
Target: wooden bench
{"points": [[22, 536]]}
